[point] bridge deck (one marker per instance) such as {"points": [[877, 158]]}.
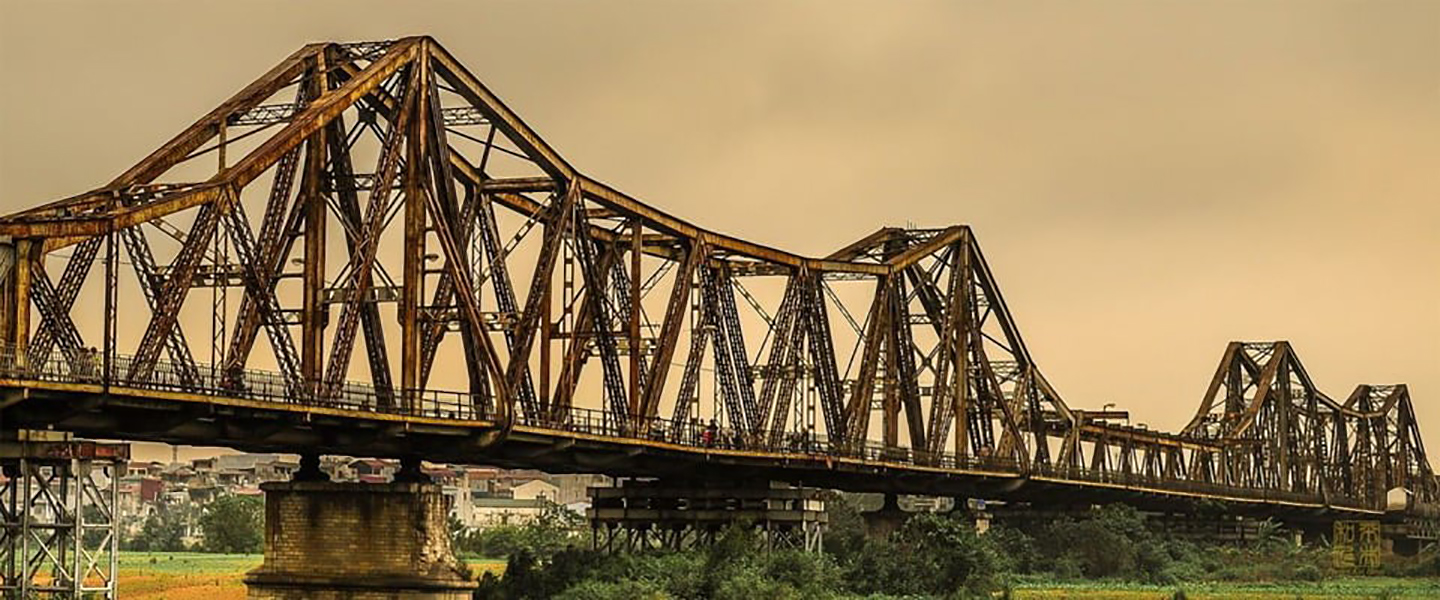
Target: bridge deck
{"points": [[455, 427]]}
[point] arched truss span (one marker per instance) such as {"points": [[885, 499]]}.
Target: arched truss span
{"points": [[378, 196]]}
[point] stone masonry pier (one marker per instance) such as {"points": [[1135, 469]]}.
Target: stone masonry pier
{"points": [[357, 541]]}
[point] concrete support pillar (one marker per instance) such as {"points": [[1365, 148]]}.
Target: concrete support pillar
{"points": [[411, 471], [310, 469], [887, 519], [357, 541]]}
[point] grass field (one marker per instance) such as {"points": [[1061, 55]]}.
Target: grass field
{"points": [[1358, 588], [192, 576], [197, 576], [184, 576]]}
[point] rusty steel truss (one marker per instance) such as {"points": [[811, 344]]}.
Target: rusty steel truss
{"points": [[378, 195]]}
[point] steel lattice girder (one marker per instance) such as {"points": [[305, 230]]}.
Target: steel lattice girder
{"points": [[59, 504], [935, 345]]}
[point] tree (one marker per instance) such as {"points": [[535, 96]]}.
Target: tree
{"points": [[555, 529], [234, 525], [932, 554], [163, 531]]}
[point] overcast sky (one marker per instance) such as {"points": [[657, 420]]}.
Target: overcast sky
{"points": [[1149, 179]]}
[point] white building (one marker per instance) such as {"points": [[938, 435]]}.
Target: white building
{"points": [[536, 490]]}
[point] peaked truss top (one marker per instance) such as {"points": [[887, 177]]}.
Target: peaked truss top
{"points": [[937, 375], [134, 197]]}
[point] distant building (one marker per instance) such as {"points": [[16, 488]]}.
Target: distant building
{"points": [[574, 489], [204, 494], [280, 469], [536, 490], [373, 469], [446, 475], [477, 496], [243, 462], [488, 511], [144, 468], [338, 467]]}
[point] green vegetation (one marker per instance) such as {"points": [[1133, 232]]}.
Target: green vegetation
{"points": [[1114, 543], [734, 568], [229, 525], [556, 529], [163, 531], [187, 563], [1367, 588], [234, 525], [1109, 553]]}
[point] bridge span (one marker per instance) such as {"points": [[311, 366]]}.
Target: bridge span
{"points": [[377, 194], [1150, 468]]}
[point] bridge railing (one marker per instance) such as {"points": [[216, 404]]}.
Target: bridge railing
{"points": [[267, 386], [697, 433], [250, 384], [1192, 486]]}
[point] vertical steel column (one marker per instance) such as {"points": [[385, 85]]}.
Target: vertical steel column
{"points": [[9, 525], [111, 261], [74, 483], [115, 473], [962, 299], [547, 327], [23, 511], [636, 351], [414, 251], [20, 323], [217, 293], [219, 303], [313, 312]]}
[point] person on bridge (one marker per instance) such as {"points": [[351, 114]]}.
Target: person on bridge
{"points": [[707, 438]]}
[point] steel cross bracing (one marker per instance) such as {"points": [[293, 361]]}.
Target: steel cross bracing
{"points": [[379, 195]]}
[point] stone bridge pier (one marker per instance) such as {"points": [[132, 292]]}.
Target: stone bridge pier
{"points": [[357, 541]]}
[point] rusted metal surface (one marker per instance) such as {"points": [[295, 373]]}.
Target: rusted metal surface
{"points": [[898, 348]]}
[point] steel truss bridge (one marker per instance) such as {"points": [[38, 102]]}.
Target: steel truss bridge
{"points": [[378, 195]]}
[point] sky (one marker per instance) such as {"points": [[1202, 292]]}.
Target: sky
{"points": [[1149, 179]]}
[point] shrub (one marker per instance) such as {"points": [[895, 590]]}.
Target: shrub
{"points": [[613, 590], [557, 529], [1308, 572], [930, 554], [234, 525], [163, 531]]}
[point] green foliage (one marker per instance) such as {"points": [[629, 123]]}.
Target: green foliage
{"points": [[1426, 563], [935, 556], [846, 532], [1116, 543], [613, 590], [556, 529], [734, 568], [1018, 551], [187, 563], [931, 555], [234, 525], [163, 531], [1104, 546]]}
